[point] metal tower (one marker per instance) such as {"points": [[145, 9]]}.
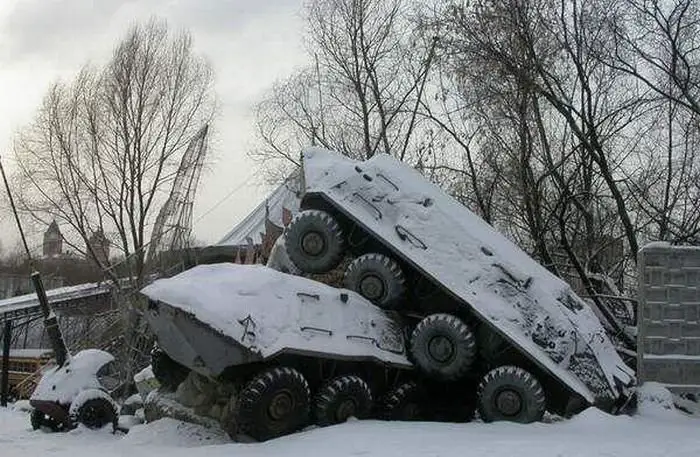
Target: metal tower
{"points": [[173, 226]]}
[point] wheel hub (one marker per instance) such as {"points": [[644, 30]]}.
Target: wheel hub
{"points": [[371, 287], [92, 417], [441, 349], [508, 402], [345, 410], [280, 406], [313, 243]]}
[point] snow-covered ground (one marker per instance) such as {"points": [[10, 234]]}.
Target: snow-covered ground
{"points": [[655, 431]]}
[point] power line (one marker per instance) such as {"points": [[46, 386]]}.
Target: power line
{"points": [[206, 213], [226, 197]]}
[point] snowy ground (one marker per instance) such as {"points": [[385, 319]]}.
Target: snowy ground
{"points": [[653, 432]]}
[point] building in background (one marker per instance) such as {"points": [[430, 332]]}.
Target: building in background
{"points": [[53, 241]]}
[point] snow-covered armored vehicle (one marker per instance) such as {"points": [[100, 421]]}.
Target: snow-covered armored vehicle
{"points": [[477, 306], [282, 351]]}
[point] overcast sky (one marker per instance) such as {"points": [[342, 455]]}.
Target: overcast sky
{"points": [[250, 43]]}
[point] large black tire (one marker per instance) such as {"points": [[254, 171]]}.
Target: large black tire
{"points": [[403, 403], [376, 277], [443, 347], [39, 420], [36, 418], [342, 398], [95, 414], [314, 241], [275, 403], [509, 393], [167, 372]]}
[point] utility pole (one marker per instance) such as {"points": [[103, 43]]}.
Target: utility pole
{"points": [[5, 378], [50, 320]]}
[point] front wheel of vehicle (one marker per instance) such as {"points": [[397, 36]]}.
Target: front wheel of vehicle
{"points": [[314, 241]]}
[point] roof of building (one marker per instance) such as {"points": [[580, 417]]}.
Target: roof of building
{"points": [[58, 295], [30, 353]]}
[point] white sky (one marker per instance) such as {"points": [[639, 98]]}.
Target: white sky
{"points": [[250, 43]]}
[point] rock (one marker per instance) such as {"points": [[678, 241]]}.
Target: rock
{"points": [[131, 405], [159, 405]]}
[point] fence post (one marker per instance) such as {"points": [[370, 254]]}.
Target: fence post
{"points": [[5, 378]]}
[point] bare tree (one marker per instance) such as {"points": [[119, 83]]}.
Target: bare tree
{"points": [[104, 147], [657, 42], [360, 93]]}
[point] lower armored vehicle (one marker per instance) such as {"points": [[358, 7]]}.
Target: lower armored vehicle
{"points": [[479, 311], [279, 351]]}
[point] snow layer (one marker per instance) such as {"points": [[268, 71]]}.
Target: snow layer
{"points": [[79, 373], [535, 309], [590, 434], [144, 375], [59, 294], [30, 353], [268, 311]]}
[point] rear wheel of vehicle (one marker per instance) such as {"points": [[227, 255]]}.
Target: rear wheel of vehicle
{"points": [[342, 398], [36, 418], [376, 277], [314, 241], [443, 347], [95, 413], [509, 393], [167, 372], [273, 404], [403, 403], [39, 420]]}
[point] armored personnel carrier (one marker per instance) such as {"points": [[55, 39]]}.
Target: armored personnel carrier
{"points": [[480, 311], [279, 351]]}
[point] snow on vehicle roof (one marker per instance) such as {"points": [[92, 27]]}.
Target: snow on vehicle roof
{"points": [[535, 309], [286, 311]]}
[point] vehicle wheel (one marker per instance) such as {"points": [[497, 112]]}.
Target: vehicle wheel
{"points": [[36, 418], [167, 372], [512, 394], [443, 347], [274, 403], [342, 398], [314, 241], [39, 420], [376, 277], [403, 403], [94, 409]]}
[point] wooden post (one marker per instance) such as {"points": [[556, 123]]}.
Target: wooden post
{"points": [[5, 378]]}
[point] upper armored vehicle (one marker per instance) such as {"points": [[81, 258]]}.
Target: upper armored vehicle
{"points": [[477, 306], [279, 351]]}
